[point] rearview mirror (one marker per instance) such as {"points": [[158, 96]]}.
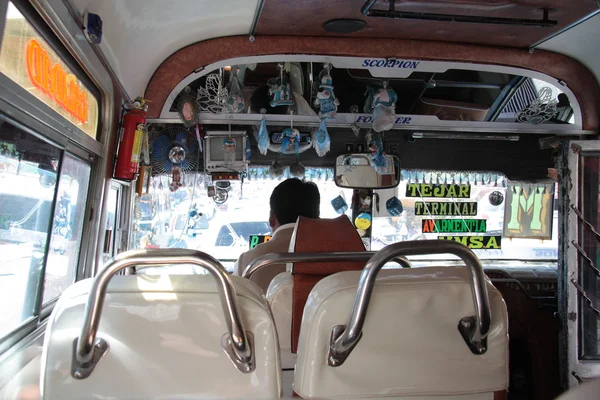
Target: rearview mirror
{"points": [[358, 171]]}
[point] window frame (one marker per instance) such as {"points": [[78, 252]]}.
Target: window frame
{"points": [[577, 366]]}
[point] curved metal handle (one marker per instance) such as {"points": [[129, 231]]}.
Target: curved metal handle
{"points": [[473, 328], [280, 258], [85, 359]]}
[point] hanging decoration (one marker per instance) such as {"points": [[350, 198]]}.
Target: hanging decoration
{"points": [[229, 147], [326, 100], [248, 149], [394, 206], [382, 103], [187, 108], [213, 96], [277, 169], [322, 142], [263, 135], [235, 101], [540, 110], [280, 89], [175, 179], [354, 126], [378, 158]]}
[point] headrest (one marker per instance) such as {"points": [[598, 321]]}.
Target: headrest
{"points": [[318, 236], [325, 235], [410, 345]]}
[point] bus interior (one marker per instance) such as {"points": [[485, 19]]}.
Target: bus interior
{"points": [[454, 145]]}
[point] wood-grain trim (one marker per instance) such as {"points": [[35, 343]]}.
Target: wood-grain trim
{"points": [[183, 62]]}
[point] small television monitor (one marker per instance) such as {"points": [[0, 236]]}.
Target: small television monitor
{"points": [[225, 151]]}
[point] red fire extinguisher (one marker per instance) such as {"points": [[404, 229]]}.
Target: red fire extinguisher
{"points": [[133, 132]]}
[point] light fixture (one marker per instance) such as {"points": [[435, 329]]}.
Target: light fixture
{"points": [[344, 25], [464, 136]]}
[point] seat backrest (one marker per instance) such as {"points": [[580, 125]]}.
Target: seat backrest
{"points": [[410, 346], [165, 338], [317, 236]]}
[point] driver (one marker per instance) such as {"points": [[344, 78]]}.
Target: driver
{"points": [[290, 199]]}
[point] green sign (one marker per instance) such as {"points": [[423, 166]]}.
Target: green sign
{"points": [[476, 242], [450, 209], [454, 225], [442, 191], [529, 210], [255, 240]]}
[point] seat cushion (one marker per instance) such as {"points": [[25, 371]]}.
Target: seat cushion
{"points": [[410, 345], [164, 335]]}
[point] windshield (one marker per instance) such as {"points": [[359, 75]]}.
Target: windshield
{"points": [[189, 218]]}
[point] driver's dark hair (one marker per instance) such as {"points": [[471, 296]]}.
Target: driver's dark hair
{"points": [[293, 198]]}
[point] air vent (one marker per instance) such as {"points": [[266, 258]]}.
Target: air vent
{"points": [[344, 25]]}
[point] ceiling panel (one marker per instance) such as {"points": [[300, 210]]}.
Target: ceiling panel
{"points": [[307, 17], [138, 35]]}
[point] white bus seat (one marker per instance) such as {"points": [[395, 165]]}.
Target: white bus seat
{"points": [[288, 291], [164, 335], [410, 346], [279, 296]]}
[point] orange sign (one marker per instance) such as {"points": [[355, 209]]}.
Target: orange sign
{"points": [[54, 82]]}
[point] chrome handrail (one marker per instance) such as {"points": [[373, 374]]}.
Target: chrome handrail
{"points": [[88, 350], [474, 329], [280, 258]]}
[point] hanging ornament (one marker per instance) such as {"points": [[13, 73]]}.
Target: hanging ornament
{"points": [[229, 146], [354, 126], [248, 149], [176, 179], [496, 198], [326, 100], [235, 101], [213, 96], [277, 169], [187, 108], [280, 90], [322, 142], [540, 110], [378, 159], [263, 134], [297, 169], [383, 107], [394, 206], [363, 221]]}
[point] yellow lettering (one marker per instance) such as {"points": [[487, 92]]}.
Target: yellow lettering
{"points": [[464, 191], [451, 191], [476, 242]]}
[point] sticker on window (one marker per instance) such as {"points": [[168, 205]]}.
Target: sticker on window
{"points": [[438, 208], [476, 242], [454, 225], [255, 240]]}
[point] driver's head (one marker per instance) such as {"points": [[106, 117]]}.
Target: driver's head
{"points": [[293, 198]]}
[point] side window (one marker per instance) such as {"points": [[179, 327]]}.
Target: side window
{"points": [[65, 243], [589, 259], [28, 188]]}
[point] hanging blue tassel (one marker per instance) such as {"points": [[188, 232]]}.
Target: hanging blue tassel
{"points": [[263, 138], [322, 141]]}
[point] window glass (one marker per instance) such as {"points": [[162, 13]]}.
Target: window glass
{"points": [[111, 224], [65, 244], [165, 218], [28, 176], [27, 59]]}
